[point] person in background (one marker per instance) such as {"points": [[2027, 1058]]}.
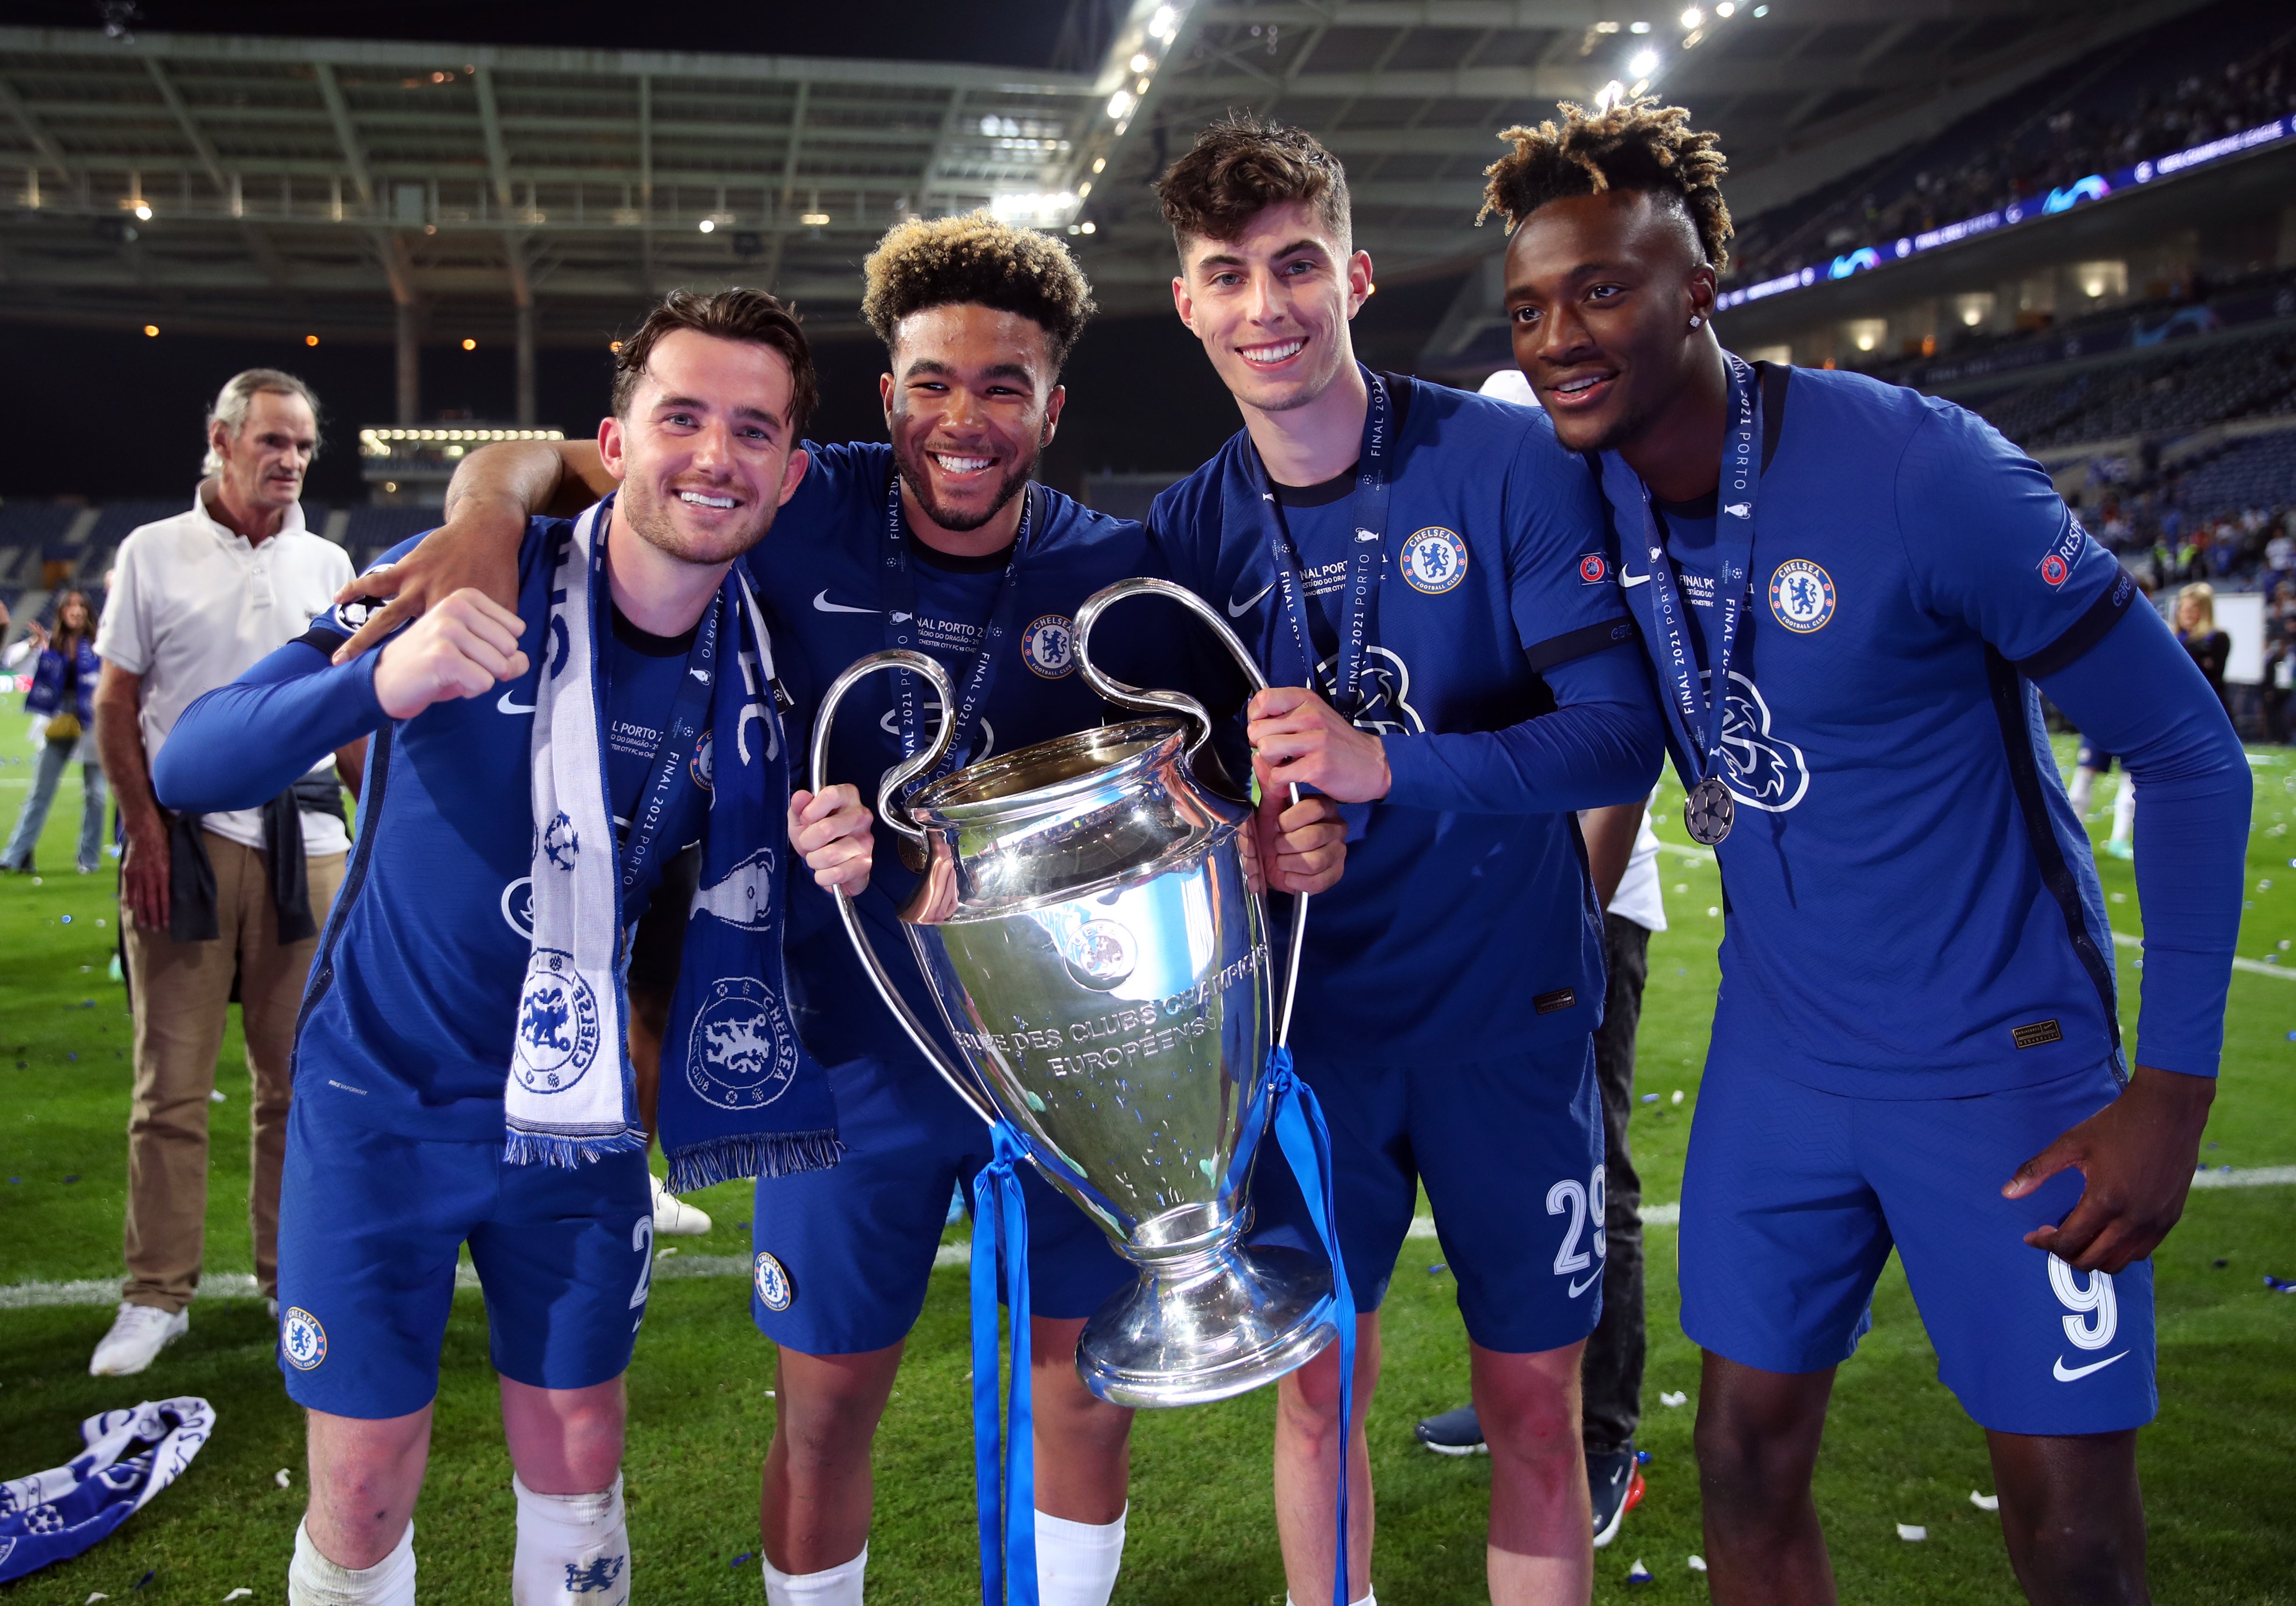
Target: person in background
{"points": [[2196, 628], [62, 703], [207, 900]]}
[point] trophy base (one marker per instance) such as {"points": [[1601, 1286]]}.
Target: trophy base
{"points": [[1245, 1319]]}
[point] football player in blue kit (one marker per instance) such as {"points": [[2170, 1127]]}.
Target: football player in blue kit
{"points": [[1421, 573], [939, 541], [1916, 1043], [466, 984]]}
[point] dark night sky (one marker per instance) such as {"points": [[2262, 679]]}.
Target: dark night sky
{"points": [[112, 416]]}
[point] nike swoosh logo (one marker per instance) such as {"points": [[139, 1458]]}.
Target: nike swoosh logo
{"points": [[508, 704], [1236, 611], [1629, 581], [822, 602], [1579, 1288], [2065, 1374]]}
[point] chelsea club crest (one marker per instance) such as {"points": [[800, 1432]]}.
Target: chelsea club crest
{"points": [[557, 1024], [1048, 646], [704, 766], [1801, 596], [1434, 560], [302, 1339], [743, 1054], [771, 1278]]}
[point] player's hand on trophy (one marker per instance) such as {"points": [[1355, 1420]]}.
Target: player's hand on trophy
{"points": [[1303, 742], [829, 830], [2137, 1155], [461, 648], [1301, 847], [474, 551]]}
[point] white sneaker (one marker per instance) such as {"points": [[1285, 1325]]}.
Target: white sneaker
{"points": [[673, 1218], [137, 1336]]}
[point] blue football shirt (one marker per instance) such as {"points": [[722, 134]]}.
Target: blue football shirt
{"points": [[407, 1023], [1464, 923], [1913, 910]]}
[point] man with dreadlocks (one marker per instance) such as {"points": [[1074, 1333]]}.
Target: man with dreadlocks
{"points": [[1849, 593], [941, 536]]}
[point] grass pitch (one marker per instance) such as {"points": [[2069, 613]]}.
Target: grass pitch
{"points": [[2218, 1466]]}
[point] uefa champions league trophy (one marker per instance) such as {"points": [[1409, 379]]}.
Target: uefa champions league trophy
{"points": [[1086, 923]]}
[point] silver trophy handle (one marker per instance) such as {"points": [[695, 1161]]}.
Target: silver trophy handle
{"points": [[1188, 707], [895, 814]]}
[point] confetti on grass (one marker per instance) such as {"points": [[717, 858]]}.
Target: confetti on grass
{"points": [[1985, 1502], [280, 1478], [1673, 1399], [1912, 1533], [1698, 1564], [1638, 1573]]}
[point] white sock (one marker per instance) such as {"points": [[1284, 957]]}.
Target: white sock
{"points": [[1077, 1561], [571, 1547], [1369, 1599], [2124, 812], [313, 1580], [838, 1586], [2078, 795]]}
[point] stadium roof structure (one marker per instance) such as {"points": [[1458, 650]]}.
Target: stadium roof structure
{"points": [[369, 189]]}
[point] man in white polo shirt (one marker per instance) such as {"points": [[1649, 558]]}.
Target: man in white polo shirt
{"points": [[207, 900]]}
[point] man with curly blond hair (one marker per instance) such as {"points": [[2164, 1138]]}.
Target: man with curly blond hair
{"points": [[941, 541], [1849, 593]]}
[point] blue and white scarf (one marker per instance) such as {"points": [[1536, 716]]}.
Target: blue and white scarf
{"points": [[52, 1516], [740, 1094]]}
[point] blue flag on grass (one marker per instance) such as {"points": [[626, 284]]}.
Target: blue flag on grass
{"points": [[131, 1455]]}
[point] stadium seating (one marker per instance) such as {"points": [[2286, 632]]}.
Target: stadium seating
{"points": [[374, 530], [2173, 391], [2208, 73]]}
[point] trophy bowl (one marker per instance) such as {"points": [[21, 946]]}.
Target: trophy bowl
{"points": [[1089, 925]]}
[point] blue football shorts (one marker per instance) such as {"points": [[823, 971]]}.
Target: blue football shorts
{"points": [[840, 1259], [1511, 1153], [1793, 1198], [370, 1223]]}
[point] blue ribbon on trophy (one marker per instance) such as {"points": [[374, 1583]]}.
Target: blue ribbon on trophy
{"points": [[1006, 1474]]}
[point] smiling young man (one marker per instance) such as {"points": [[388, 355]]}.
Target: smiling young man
{"points": [[1917, 979], [1428, 564], [939, 541], [459, 1063]]}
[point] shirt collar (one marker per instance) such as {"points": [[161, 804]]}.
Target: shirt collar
{"points": [[224, 532]]}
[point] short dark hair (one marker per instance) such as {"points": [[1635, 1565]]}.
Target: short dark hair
{"points": [[932, 262], [1637, 145], [1239, 168], [728, 314]]}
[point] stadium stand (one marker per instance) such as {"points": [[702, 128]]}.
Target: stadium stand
{"points": [[2158, 92], [372, 532], [2173, 391]]}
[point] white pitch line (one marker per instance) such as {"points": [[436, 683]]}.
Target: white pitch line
{"points": [[2254, 967], [239, 1285]]}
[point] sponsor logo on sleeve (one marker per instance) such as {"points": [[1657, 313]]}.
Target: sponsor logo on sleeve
{"points": [[1801, 596], [1434, 560], [2058, 565]]}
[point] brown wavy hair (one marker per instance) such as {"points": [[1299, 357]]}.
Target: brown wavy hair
{"points": [[752, 316], [1239, 168]]}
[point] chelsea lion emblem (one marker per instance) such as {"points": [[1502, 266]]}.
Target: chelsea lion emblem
{"points": [[743, 1054], [771, 1278], [302, 1339], [1434, 560], [1801, 596], [1048, 646], [557, 1024]]}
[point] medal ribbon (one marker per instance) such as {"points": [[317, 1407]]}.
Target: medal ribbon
{"points": [[1367, 554], [897, 588], [1005, 1473], [689, 712], [1691, 705]]}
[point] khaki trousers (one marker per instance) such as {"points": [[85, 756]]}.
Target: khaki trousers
{"points": [[183, 990]]}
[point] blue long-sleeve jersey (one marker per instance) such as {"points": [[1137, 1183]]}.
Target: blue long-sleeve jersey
{"points": [[1913, 908], [407, 1020]]}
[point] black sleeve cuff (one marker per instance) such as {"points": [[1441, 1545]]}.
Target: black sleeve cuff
{"points": [[322, 638], [2084, 633], [1593, 638]]}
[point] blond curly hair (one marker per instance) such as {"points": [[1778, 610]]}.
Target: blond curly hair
{"points": [[932, 262]]}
